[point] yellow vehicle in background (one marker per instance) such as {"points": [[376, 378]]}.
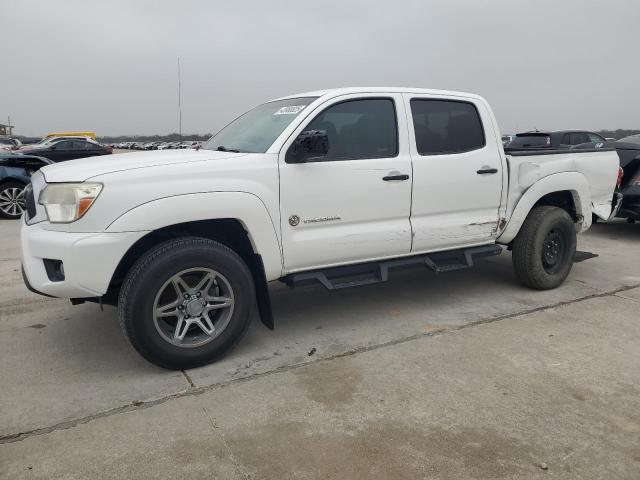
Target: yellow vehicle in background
{"points": [[91, 135]]}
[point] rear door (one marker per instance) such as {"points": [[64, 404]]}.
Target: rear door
{"points": [[353, 204], [59, 151], [68, 150], [93, 149], [457, 173]]}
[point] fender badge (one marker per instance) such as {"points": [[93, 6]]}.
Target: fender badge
{"points": [[294, 220]]}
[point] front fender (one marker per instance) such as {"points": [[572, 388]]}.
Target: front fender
{"points": [[574, 182], [247, 208]]}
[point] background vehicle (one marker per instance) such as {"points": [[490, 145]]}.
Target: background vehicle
{"points": [[9, 143], [91, 135], [48, 141], [15, 174], [628, 150], [63, 149], [506, 139], [336, 187], [544, 140]]}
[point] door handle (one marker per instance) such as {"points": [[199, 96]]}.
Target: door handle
{"points": [[485, 170], [390, 178]]}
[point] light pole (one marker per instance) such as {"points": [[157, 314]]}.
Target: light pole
{"points": [[179, 101]]}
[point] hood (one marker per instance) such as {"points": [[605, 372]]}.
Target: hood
{"points": [[86, 168]]}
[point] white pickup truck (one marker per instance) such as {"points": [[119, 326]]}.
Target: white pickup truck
{"points": [[337, 186]]}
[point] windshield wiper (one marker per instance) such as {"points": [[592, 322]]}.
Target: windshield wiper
{"points": [[222, 148]]}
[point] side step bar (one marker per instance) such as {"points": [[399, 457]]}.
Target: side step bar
{"points": [[376, 272]]}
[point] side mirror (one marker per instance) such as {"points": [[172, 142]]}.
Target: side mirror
{"points": [[310, 145], [53, 147]]}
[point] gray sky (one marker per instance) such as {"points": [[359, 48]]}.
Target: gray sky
{"points": [[110, 66]]}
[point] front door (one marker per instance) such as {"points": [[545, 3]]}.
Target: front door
{"points": [[457, 173], [353, 204], [66, 150]]}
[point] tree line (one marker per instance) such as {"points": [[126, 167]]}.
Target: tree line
{"points": [[175, 137]]}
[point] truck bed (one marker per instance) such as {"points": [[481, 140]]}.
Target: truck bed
{"points": [[599, 167]]}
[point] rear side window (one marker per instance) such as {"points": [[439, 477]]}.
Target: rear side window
{"points": [[77, 145], [359, 129], [63, 145], [446, 126], [577, 138], [529, 141]]}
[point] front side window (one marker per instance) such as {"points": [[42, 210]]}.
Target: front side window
{"points": [[595, 138], [359, 129], [446, 126], [256, 130]]}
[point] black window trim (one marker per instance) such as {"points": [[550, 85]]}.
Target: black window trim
{"points": [[395, 116], [444, 99]]}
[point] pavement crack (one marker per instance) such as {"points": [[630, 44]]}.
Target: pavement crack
{"points": [[188, 378], [626, 298], [236, 464], [193, 390]]}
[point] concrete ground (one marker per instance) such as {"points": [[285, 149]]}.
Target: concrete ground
{"points": [[453, 376]]}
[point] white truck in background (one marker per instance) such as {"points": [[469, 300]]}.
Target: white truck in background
{"points": [[337, 186]]}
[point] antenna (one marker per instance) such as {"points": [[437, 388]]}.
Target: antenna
{"points": [[179, 100]]}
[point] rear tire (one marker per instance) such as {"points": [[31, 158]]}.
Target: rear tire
{"points": [[168, 313], [543, 250]]}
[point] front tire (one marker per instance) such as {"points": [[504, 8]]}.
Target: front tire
{"points": [[543, 250], [12, 201], [186, 302]]}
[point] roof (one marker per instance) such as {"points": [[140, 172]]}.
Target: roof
{"points": [[334, 92]]}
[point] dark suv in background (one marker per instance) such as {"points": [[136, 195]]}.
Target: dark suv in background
{"points": [[552, 140], [628, 150]]}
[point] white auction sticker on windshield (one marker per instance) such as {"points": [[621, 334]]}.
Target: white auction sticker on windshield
{"points": [[291, 110]]}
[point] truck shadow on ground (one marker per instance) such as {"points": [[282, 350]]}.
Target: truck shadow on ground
{"points": [[411, 300], [617, 230], [311, 311]]}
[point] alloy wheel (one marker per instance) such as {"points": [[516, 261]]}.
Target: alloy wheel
{"points": [[12, 201], [193, 307]]}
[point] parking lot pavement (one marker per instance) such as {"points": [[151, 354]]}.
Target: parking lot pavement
{"points": [[406, 380]]}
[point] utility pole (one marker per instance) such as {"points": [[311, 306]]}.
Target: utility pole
{"points": [[179, 100]]}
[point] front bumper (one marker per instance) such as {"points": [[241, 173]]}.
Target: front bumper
{"points": [[89, 259]]}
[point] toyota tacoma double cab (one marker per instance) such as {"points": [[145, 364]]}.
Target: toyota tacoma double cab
{"points": [[338, 187]]}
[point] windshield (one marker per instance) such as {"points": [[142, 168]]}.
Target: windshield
{"points": [[256, 130]]}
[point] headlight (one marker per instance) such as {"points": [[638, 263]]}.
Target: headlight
{"points": [[67, 202]]}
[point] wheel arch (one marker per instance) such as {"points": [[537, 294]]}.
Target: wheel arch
{"points": [[239, 220], [568, 190], [216, 210], [228, 231], [10, 179]]}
